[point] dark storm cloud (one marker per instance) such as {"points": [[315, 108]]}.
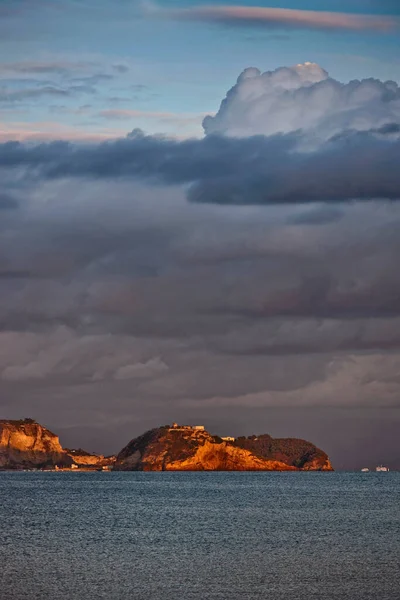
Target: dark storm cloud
{"points": [[167, 272], [359, 168], [256, 170], [388, 129], [318, 216]]}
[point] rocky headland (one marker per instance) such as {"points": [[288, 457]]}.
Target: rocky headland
{"points": [[184, 448], [25, 444]]}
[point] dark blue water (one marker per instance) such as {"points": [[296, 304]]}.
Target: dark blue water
{"points": [[83, 536]]}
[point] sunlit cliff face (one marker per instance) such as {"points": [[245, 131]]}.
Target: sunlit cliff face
{"points": [[188, 449], [27, 443]]}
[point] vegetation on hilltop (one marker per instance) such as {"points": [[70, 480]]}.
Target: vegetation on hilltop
{"points": [[292, 451]]}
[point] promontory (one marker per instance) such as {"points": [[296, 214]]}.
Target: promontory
{"points": [[25, 444], [192, 448]]}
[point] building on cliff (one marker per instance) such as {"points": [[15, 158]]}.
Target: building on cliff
{"points": [[176, 427]]}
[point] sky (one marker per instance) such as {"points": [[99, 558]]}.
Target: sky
{"points": [[199, 220]]}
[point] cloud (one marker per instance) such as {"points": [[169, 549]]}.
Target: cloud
{"points": [[341, 376], [110, 256], [141, 370], [318, 140], [7, 96], [121, 68], [10, 95], [117, 280], [360, 167], [43, 67], [8, 202], [91, 80], [255, 16], [25, 81], [317, 216], [303, 97], [54, 130], [222, 170], [124, 114]]}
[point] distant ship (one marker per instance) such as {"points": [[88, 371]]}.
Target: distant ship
{"points": [[365, 470], [382, 469]]}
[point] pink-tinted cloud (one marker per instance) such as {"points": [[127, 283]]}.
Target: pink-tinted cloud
{"points": [[284, 17], [39, 131], [48, 130], [180, 118]]}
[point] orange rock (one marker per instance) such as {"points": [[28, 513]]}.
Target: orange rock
{"points": [[26, 444], [172, 449]]}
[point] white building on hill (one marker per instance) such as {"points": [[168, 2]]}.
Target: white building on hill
{"points": [[177, 427]]}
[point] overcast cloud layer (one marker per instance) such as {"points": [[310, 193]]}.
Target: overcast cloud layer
{"points": [[124, 306]]}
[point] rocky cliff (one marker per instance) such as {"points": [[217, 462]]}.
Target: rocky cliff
{"points": [[178, 449], [26, 444], [85, 459], [294, 452]]}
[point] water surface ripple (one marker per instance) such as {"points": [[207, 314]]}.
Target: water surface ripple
{"points": [[199, 536]]}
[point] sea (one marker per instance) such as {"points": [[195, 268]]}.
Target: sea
{"points": [[199, 536]]}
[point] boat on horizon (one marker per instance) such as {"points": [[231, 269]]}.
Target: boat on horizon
{"points": [[365, 470], [382, 469]]}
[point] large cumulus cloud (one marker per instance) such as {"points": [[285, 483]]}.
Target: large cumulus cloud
{"points": [[305, 98]]}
